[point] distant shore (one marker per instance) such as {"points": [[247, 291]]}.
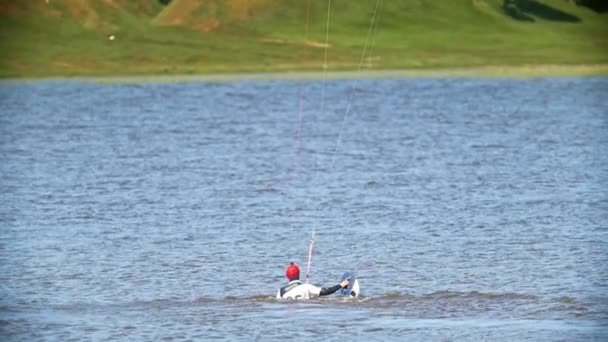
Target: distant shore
{"points": [[493, 71]]}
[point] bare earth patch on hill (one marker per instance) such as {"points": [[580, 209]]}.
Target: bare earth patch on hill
{"points": [[207, 16]]}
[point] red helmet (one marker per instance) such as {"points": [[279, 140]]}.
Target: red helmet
{"points": [[292, 272]]}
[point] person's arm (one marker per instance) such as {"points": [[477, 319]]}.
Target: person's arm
{"points": [[329, 290]]}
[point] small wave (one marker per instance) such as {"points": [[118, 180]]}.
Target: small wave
{"points": [[372, 184], [489, 146], [272, 298], [269, 190], [392, 295], [566, 300], [134, 304], [435, 303], [446, 294], [253, 298]]}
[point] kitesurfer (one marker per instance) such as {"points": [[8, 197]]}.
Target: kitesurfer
{"points": [[297, 290]]}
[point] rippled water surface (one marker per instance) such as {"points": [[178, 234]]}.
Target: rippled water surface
{"points": [[469, 209]]}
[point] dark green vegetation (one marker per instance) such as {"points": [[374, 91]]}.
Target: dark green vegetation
{"points": [[137, 37]]}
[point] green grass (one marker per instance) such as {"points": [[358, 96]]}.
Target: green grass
{"points": [[411, 34]]}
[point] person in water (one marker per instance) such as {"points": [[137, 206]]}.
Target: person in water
{"points": [[297, 290]]}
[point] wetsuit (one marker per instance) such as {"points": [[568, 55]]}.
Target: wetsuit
{"points": [[296, 290]]}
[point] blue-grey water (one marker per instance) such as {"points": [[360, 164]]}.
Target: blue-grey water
{"points": [[470, 209]]}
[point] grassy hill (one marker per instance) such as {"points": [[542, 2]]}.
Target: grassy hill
{"points": [[43, 38]]}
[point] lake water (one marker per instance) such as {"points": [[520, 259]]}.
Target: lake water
{"points": [[470, 209]]}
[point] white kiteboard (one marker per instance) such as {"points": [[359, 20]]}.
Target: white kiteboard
{"points": [[353, 289]]}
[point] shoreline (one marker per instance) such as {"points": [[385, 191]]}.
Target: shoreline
{"points": [[489, 71]]}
